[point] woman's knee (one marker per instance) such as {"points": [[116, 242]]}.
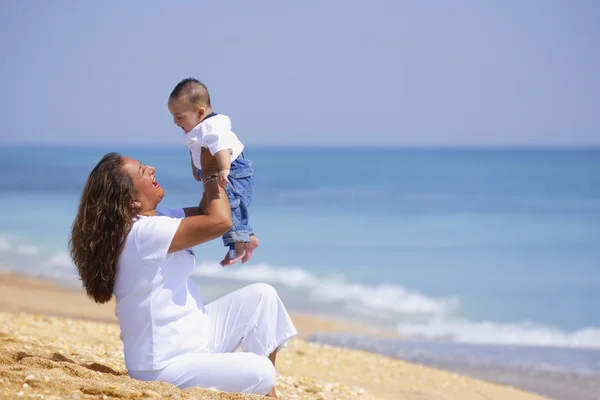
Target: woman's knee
{"points": [[263, 290]]}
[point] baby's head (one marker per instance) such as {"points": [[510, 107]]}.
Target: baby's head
{"points": [[189, 103]]}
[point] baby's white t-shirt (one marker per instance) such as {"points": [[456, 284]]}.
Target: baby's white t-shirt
{"points": [[215, 134], [159, 308]]}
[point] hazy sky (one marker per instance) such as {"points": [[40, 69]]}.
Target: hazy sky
{"points": [[304, 72]]}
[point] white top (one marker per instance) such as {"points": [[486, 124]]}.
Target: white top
{"points": [[159, 308], [214, 133]]}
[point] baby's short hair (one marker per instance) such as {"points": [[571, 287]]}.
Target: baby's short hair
{"points": [[193, 90]]}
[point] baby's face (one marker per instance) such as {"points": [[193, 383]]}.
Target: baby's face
{"points": [[185, 115]]}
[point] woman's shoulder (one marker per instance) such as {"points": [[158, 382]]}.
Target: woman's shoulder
{"points": [[165, 218], [151, 236]]}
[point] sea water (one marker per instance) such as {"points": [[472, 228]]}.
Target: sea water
{"points": [[497, 250]]}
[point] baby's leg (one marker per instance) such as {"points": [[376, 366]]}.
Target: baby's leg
{"points": [[239, 233], [241, 240]]}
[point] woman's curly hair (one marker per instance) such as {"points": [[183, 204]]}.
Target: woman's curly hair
{"points": [[103, 220]]}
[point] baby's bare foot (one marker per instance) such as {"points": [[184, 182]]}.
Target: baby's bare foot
{"points": [[240, 253], [249, 248]]}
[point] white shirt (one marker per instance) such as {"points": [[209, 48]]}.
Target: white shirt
{"points": [[215, 134], [159, 308]]}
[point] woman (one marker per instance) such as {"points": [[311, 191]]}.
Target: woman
{"points": [[122, 243]]}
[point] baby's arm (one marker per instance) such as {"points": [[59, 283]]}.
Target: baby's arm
{"points": [[224, 162], [218, 142]]}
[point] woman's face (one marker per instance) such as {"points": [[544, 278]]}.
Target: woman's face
{"points": [[148, 192]]}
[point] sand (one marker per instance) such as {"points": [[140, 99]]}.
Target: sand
{"points": [[56, 343]]}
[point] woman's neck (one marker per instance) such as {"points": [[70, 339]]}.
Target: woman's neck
{"points": [[148, 213]]}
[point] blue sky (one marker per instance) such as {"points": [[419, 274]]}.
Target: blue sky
{"points": [[440, 73]]}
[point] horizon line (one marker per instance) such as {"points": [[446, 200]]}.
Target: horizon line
{"points": [[529, 146]]}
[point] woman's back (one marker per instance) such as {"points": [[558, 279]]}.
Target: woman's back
{"points": [[158, 306]]}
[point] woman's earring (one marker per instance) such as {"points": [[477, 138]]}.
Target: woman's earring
{"points": [[136, 204]]}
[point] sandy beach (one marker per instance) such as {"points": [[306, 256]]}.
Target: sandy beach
{"points": [[56, 343]]}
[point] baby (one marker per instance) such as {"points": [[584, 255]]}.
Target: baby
{"points": [[189, 103]]}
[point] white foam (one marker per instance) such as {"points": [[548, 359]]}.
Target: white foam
{"points": [[489, 332], [4, 244], [330, 289], [293, 277], [7, 245], [27, 249], [385, 302], [60, 260]]}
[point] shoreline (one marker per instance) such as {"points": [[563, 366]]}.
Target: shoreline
{"points": [[68, 301], [51, 331]]}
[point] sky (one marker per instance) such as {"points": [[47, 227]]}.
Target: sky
{"points": [[304, 73]]}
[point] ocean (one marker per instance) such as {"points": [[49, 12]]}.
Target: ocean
{"points": [[485, 259]]}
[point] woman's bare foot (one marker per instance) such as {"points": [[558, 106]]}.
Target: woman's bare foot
{"points": [[249, 248], [272, 394]]}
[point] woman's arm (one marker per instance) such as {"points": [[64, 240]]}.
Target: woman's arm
{"points": [[200, 226], [200, 210], [192, 211]]}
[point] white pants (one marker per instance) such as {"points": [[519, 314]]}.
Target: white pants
{"points": [[252, 317]]}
